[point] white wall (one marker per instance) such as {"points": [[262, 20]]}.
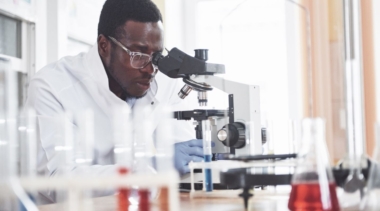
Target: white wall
{"points": [[82, 19], [273, 47], [22, 8], [174, 24], [41, 34], [292, 14], [64, 27], [56, 29]]}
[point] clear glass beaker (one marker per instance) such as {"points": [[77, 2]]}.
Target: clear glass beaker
{"points": [[313, 185], [371, 200]]}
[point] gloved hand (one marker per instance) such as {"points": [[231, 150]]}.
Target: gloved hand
{"points": [[187, 151]]}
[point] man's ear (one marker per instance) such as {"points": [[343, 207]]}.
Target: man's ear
{"points": [[104, 46]]}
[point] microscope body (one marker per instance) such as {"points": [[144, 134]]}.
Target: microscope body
{"points": [[244, 116], [236, 130]]}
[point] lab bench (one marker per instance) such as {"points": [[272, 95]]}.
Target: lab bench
{"points": [[227, 201]]}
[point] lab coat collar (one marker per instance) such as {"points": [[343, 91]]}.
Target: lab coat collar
{"points": [[96, 67], [155, 90]]}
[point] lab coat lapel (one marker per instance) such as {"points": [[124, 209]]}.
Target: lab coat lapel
{"points": [[150, 105], [99, 90], [106, 100]]}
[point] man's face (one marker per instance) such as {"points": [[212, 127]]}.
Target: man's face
{"points": [[137, 37]]}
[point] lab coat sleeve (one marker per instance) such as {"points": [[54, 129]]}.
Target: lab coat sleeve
{"points": [[52, 161]]}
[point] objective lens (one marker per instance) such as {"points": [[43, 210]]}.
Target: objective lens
{"points": [[186, 89]]}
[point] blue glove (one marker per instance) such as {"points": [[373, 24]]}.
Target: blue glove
{"points": [[187, 151]]}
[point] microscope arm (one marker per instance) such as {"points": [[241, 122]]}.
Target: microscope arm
{"points": [[246, 108], [199, 75]]}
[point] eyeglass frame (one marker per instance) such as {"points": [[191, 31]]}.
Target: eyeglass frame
{"points": [[132, 54]]}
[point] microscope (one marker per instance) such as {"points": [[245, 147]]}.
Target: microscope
{"points": [[237, 129]]}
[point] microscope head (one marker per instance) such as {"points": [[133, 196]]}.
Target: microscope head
{"points": [[178, 64]]}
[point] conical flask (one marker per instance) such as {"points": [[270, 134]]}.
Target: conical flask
{"points": [[371, 200], [313, 185]]}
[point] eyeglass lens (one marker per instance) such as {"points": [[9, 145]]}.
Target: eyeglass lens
{"points": [[140, 61]]}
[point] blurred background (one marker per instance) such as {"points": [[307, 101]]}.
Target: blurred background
{"points": [[296, 59]]}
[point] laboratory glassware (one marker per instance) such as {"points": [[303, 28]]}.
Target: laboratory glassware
{"points": [[143, 150], [371, 200], [207, 150], [63, 135], [313, 185], [83, 155], [27, 137], [123, 145], [294, 136], [164, 154], [7, 199], [12, 196], [84, 144]]}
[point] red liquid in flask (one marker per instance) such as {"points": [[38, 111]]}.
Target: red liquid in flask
{"points": [[123, 197], [144, 204], [307, 197]]}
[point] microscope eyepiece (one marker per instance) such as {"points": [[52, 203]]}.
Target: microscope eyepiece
{"points": [[201, 54], [156, 58]]}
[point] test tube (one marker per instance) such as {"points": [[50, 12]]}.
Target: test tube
{"points": [[83, 155], [8, 117], [84, 145], [164, 157], [143, 151], [28, 143], [123, 144], [64, 146], [7, 202], [165, 141], [207, 150], [28, 149], [294, 133]]}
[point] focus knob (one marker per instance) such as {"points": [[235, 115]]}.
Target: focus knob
{"points": [[232, 135]]}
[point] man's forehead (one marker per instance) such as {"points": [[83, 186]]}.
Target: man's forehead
{"points": [[140, 31]]}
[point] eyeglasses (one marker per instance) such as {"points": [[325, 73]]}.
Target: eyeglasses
{"points": [[138, 60]]}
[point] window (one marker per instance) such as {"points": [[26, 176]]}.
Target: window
{"points": [[10, 37], [249, 37]]}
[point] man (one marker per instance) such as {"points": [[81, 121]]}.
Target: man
{"points": [[117, 71]]}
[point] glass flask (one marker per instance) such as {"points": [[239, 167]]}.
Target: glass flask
{"points": [[371, 200], [313, 185]]}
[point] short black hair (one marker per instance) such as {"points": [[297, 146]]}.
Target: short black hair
{"points": [[116, 12]]}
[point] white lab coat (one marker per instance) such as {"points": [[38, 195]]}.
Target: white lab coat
{"points": [[77, 83]]}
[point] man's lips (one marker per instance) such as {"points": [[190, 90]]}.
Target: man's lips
{"points": [[143, 84]]}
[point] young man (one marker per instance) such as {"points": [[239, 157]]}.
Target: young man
{"points": [[117, 71]]}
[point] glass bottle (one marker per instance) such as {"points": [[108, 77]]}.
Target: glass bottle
{"points": [[371, 200], [313, 185]]}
